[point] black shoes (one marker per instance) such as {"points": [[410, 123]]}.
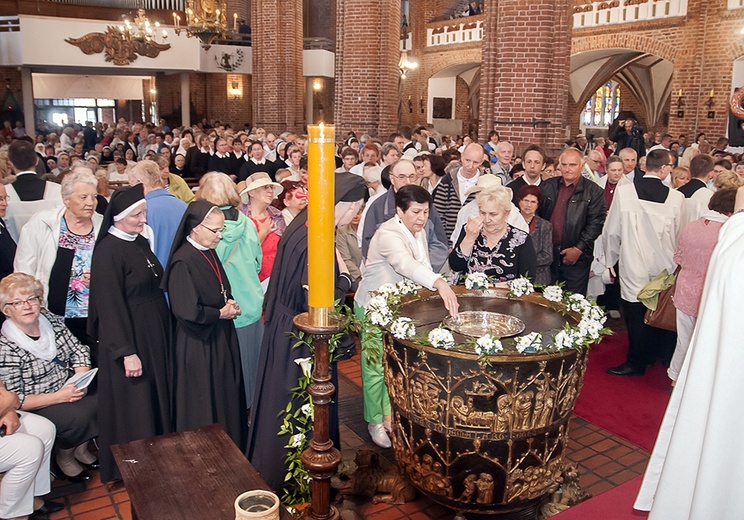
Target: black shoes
{"points": [[58, 474], [626, 369], [47, 509], [95, 465]]}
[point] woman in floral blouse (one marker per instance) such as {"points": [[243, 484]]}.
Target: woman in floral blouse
{"points": [[38, 354], [487, 244]]}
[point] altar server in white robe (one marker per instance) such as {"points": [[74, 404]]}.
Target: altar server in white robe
{"points": [[696, 470], [641, 232]]}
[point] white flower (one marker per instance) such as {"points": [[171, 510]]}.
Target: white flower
{"points": [[306, 364], [565, 339], [520, 287], [378, 311], [387, 289], [407, 287], [532, 341], [589, 329], [577, 303], [308, 410], [553, 293], [295, 441], [488, 345], [403, 328], [441, 338], [477, 281], [595, 313]]}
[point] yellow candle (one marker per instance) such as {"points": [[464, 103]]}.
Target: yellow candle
{"points": [[321, 222], [711, 92]]}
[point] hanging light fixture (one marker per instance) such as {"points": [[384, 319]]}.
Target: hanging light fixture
{"points": [[140, 29], [206, 21], [405, 65]]}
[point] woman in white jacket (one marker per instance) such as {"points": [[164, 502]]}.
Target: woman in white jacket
{"points": [[398, 251], [56, 247]]}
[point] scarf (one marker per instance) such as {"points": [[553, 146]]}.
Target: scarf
{"points": [[43, 348]]}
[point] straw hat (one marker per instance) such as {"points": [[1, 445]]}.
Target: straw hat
{"points": [[259, 180], [485, 181]]}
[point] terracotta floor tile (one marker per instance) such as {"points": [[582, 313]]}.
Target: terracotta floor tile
{"points": [[608, 469], [622, 476], [439, 512], [604, 446], [600, 487], [415, 506], [596, 461], [125, 512], [618, 451], [60, 515], [588, 479], [389, 514], [422, 516], [632, 458], [370, 509], [581, 455], [90, 505], [98, 514], [89, 494], [592, 438]]}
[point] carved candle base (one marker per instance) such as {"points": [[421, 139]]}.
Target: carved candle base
{"points": [[321, 459]]}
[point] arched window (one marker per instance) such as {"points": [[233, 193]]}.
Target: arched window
{"points": [[603, 107]]}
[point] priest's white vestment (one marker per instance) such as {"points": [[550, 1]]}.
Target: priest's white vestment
{"points": [[696, 470]]}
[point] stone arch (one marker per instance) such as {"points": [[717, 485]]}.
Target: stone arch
{"points": [[645, 66], [736, 49], [436, 63], [627, 41]]}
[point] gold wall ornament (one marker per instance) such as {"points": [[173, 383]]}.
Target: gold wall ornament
{"points": [[735, 104], [118, 49]]}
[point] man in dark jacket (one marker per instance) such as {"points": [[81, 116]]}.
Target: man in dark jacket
{"points": [[576, 208]]}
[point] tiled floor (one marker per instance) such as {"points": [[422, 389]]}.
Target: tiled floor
{"points": [[604, 461]]}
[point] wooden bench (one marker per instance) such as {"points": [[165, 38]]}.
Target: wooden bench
{"points": [[191, 475]]}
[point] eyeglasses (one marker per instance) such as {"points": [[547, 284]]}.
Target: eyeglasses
{"points": [[215, 231], [411, 177], [32, 301]]}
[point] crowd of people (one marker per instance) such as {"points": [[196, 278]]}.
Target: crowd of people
{"points": [[174, 260]]}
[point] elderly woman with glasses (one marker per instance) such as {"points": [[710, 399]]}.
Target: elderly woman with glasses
{"points": [[38, 354], [56, 248], [488, 244], [207, 373]]}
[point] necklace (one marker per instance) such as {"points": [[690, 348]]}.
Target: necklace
{"points": [[216, 270]]}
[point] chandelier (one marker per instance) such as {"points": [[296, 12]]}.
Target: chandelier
{"points": [[205, 20], [140, 29], [406, 65]]}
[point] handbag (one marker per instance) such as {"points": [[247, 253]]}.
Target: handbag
{"points": [[665, 315]]}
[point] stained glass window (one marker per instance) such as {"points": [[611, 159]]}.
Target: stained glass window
{"points": [[603, 107]]}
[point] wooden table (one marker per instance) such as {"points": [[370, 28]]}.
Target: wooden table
{"points": [[191, 475]]}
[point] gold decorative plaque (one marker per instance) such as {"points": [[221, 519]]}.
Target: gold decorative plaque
{"points": [[118, 49]]}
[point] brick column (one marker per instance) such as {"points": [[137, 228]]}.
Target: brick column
{"points": [[277, 83], [525, 71], [367, 54]]}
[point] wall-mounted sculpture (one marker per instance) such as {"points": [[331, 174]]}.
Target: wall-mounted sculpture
{"points": [[118, 48]]}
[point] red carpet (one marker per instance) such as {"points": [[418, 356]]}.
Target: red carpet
{"points": [[615, 504], [630, 407]]}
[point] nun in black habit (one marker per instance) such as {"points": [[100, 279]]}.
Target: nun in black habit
{"points": [[130, 319], [208, 378], [277, 371]]}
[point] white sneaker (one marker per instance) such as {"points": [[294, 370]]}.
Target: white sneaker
{"points": [[379, 437]]}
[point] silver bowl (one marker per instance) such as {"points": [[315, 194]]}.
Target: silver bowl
{"points": [[479, 323]]}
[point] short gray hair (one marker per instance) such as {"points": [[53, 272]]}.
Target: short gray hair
{"points": [[501, 195], [69, 181], [502, 144]]}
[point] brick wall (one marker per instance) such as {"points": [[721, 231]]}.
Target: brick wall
{"points": [[525, 68], [277, 81], [367, 54]]}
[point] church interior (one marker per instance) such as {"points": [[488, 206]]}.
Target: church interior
{"points": [[536, 72]]}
